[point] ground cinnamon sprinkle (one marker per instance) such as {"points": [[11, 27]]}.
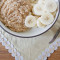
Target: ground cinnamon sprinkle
{"points": [[13, 14]]}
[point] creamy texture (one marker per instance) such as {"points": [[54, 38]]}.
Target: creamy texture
{"points": [[13, 14]]}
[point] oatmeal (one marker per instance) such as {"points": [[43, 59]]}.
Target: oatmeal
{"points": [[13, 14]]}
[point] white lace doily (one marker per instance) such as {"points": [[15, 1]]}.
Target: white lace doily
{"points": [[37, 48]]}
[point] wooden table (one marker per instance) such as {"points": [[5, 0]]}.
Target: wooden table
{"points": [[4, 55]]}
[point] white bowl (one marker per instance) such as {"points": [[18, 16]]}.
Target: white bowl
{"points": [[34, 31]]}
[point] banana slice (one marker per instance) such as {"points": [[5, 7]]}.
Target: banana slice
{"points": [[47, 18], [30, 21], [41, 1], [51, 5], [37, 9], [39, 24]]}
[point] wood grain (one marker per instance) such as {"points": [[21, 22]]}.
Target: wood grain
{"points": [[55, 55], [4, 55]]}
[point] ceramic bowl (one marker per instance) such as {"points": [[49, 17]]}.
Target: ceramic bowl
{"points": [[34, 32]]}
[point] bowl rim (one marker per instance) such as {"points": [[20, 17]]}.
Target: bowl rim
{"points": [[37, 34]]}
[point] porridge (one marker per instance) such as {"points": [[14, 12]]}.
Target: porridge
{"points": [[22, 15], [13, 13]]}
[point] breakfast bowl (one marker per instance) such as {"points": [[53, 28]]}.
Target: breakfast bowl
{"points": [[34, 32]]}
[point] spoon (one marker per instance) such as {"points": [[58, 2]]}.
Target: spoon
{"points": [[55, 36]]}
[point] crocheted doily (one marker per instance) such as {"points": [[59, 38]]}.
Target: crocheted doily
{"points": [[37, 48]]}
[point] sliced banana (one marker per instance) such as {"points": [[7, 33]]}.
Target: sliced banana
{"points": [[47, 18], [41, 2], [51, 5], [30, 21], [39, 24], [38, 9]]}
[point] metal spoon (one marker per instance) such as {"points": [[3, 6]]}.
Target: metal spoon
{"points": [[55, 36]]}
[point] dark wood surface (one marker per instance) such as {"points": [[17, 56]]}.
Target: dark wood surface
{"points": [[4, 55]]}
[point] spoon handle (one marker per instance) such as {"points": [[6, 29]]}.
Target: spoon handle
{"points": [[55, 36]]}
